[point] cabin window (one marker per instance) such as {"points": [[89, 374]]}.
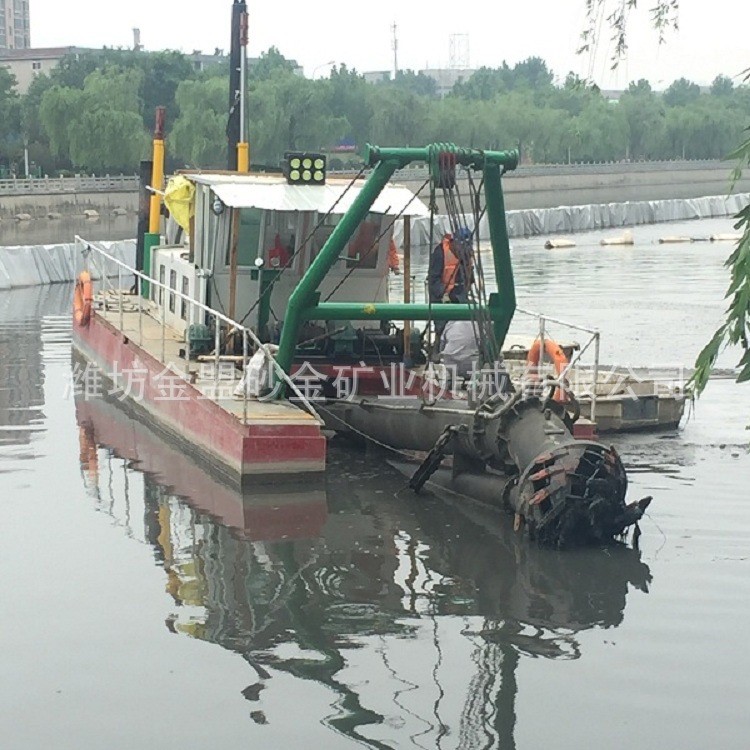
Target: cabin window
{"points": [[162, 279], [172, 285], [183, 301], [249, 237], [321, 235], [362, 251]]}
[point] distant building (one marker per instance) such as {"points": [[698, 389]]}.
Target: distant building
{"points": [[377, 76], [445, 78], [202, 61], [14, 24], [27, 64]]}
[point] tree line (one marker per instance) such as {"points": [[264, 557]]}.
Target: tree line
{"points": [[95, 112]]}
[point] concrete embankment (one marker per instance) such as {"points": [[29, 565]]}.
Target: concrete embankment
{"points": [[32, 265], [566, 219], [549, 185], [67, 204], [47, 264]]}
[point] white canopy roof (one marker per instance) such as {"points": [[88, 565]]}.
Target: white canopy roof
{"points": [[272, 192]]}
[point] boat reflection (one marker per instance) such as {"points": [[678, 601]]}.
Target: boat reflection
{"points": [[413, 613]]}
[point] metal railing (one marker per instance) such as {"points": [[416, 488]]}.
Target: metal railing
{"points": [[77, 184], [594, 338], [91, 249]]}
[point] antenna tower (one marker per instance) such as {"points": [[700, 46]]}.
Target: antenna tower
{"points": [[459, 51], [394, 45]]}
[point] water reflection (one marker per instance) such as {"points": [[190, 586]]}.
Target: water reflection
{"points": [[414, 614], [25, 328]]}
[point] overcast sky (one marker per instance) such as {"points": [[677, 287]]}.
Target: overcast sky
{"points": [[712, 39]]}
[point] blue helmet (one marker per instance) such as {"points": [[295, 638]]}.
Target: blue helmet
{"points": [[464, 234]]}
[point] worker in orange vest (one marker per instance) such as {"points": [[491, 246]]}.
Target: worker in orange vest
{"points": [[449, 274], [394, 262]]}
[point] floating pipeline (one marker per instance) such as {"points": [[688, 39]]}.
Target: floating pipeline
{"points": [[518, 455], [570, 219], [34, 265]]}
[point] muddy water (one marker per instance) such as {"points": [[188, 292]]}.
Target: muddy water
{"points": [[144, 608]]}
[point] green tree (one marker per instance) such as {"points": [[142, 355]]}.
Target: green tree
{"points": [[602, 132], [198, 138], [270, 64], [645, 117], [722, 86], [531, 73], [573, 96], [10, 117], [735, 330], [289, 112], [98, 127], [484, 84], [415, 83], [398, 116], [162, 74], [682, 93], [350, 99]]}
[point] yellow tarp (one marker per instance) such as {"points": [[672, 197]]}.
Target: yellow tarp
{"points": [[179, 198]]}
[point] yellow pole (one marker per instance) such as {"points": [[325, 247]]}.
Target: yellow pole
{"points": [[157, 172], [243, 148], [243, 157]]}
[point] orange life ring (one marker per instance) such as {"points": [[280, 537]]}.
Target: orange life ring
{"points": [[83, 296], [556, 354]]}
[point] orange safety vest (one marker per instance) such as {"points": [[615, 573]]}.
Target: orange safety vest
{"points": [[393, 260], [451, 265]]}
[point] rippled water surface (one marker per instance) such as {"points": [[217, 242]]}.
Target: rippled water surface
{"points": [[145, 604]]}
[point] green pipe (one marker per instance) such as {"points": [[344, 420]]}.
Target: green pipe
{"points": [[303, 295], [505, 301], [467, 157], [303, 304], [388, 311]]}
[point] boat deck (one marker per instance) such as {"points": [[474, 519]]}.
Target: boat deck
{"points": [[147, 334]]}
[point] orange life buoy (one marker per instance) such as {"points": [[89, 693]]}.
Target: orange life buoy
{"points": [[83, 296], [556, 354]]}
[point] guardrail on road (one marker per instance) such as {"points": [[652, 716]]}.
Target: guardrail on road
{"points": [[77, 184]]}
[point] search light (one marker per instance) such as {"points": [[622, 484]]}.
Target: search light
{"points": [[302, 168]]}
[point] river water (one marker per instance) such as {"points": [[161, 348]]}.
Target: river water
{"points": [[146, 604]]}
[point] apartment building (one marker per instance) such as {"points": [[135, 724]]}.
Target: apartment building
{"points": [[14, 24]]}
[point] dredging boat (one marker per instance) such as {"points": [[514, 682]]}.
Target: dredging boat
{"points": [[282, 279], [168, 335]]}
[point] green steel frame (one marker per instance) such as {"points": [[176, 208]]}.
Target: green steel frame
{"points": [[304, 302]]}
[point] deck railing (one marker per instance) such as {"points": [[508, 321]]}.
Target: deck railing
{"points": [[543, 322], [93, 253]]}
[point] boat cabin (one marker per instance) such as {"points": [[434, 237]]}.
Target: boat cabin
{"points": [[253, 236]]}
